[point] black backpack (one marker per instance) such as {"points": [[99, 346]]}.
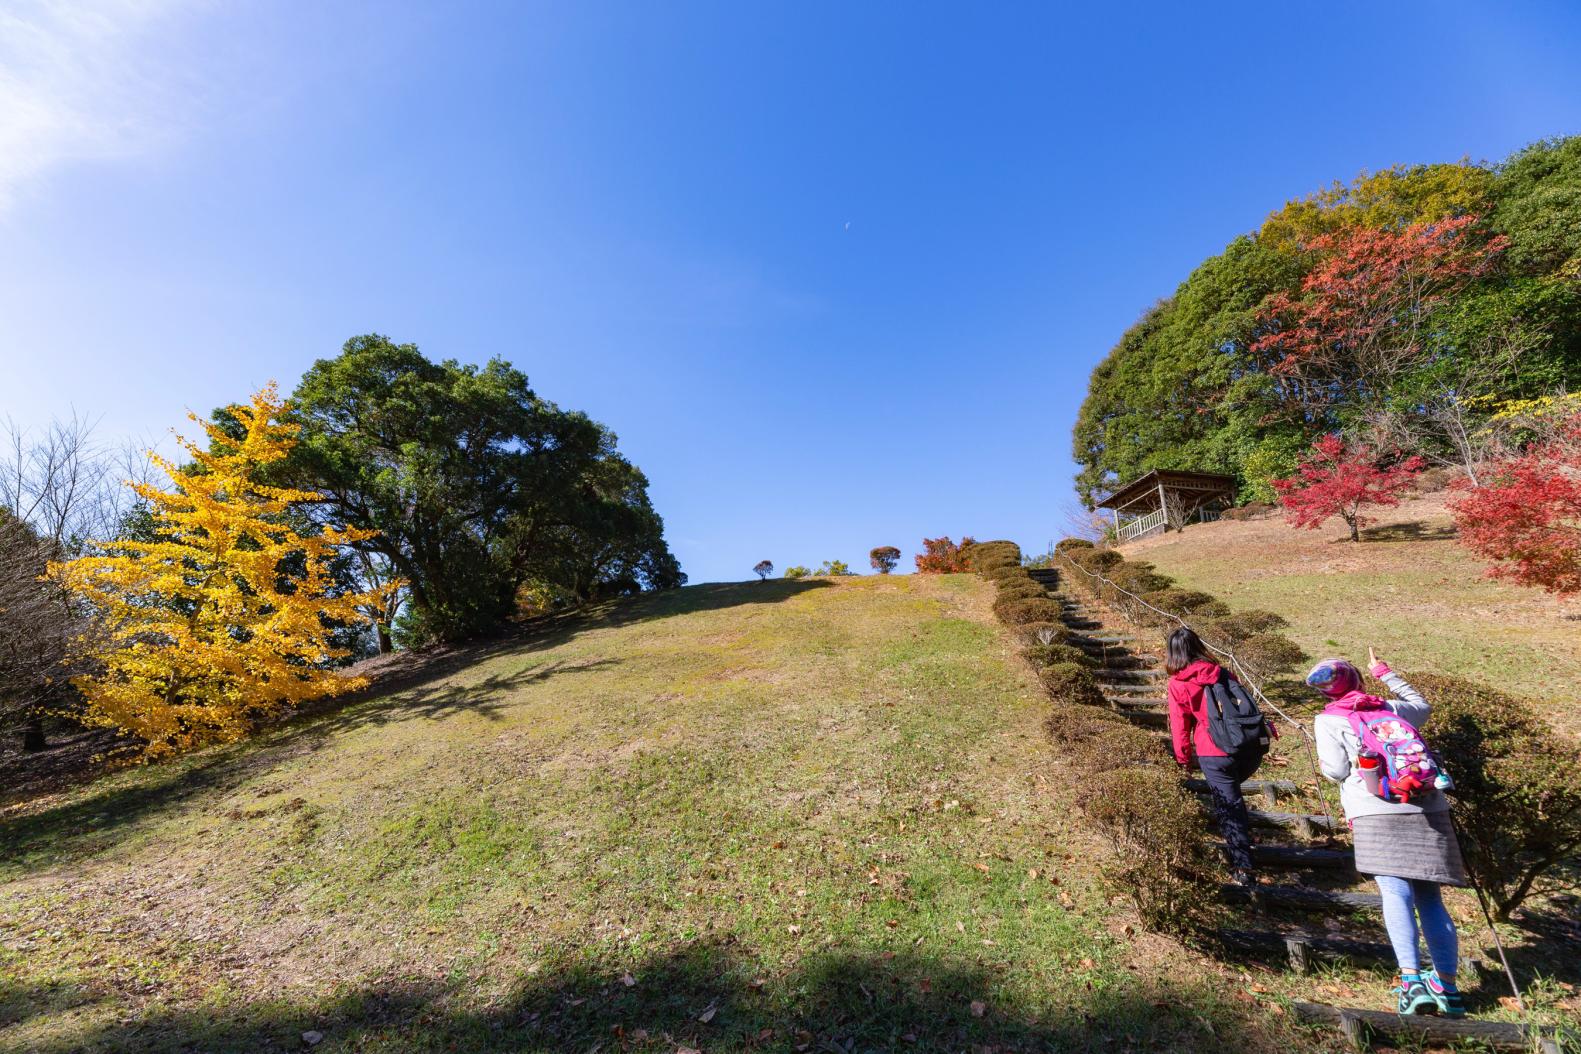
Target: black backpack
{"points": [[1235, 724]]}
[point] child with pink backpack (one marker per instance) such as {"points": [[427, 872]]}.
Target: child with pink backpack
{"points": [[1392, 790]]}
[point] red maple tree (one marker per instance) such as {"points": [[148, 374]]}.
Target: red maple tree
{"points": [[1364, 309], [1340, 479], [940, 556], [1527, 514]]}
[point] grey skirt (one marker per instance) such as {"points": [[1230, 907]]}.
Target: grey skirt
{"points": [[1417, 845]]}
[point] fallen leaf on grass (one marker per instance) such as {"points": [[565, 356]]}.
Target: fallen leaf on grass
{"points": [[708, 1014], [982, 867], [627, 980], [979, 1008]]}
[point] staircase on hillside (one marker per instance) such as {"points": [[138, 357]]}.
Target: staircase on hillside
{"points": [[1318, 908]]}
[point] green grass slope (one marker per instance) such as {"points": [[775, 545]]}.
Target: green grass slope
{"points": [[769, 816], [1409, 590]]}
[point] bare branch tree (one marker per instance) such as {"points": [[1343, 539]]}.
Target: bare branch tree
{"points": [[60, 491]]}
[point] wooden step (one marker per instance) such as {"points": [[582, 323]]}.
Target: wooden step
{"points": [[1305, 949], [1300, 897], [1360, 1026], [1144, 677], [1305, 824], [1298, 857], [1270, 790]]}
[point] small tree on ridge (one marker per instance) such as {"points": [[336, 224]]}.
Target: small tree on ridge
{"points": [[763, 568], [884, 558]]}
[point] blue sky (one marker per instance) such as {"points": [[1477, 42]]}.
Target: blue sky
{"points": [[835, 273]]}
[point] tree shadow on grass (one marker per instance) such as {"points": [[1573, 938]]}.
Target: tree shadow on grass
{"points": [[409, 688], [1412, 531], [707, 996]]}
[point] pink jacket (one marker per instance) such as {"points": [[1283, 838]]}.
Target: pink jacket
{"points": [[1188, 731]]}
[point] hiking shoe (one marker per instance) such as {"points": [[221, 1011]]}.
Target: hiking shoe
{"points": [[1447, 996], [1414, 998]]}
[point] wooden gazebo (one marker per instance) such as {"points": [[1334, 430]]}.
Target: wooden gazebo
{"points": [[1162, 499]]}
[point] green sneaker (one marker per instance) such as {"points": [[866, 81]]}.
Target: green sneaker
{"points": [[1447, 996], [1414, 998]]}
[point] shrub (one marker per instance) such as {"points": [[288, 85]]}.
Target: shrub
{"points": [[884, 558], [1252, 510], [940, 556], [1268, 655], [1070, 545], [833, 569], [986, 556], [1139, 578], [1053, 654], [797, 572], [1166, 862], [1021, 610], [1000, 574], [1019, 588], [1239, 625], [1098, 561], [1517, 797], [1187, 602], [1030, 633], [1070, 682]]}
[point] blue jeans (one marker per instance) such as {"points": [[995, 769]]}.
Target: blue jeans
{"points": [[1224, 776], [1407, 900]]}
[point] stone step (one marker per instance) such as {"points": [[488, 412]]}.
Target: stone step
{"points": [[1301, 897]]}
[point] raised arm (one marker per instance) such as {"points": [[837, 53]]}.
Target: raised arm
{"points": [[1401, 689]]}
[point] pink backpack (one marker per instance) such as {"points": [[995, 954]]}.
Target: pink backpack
{"points": [[1409, 765]]}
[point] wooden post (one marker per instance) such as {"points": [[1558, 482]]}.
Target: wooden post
{"points": [[1163, 504], [1296, 949]]}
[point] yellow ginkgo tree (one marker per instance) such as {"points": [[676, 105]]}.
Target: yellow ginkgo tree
{"points": [[223, 614]]}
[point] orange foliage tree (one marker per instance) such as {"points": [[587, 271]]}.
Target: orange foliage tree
{"points": [[940, 556], [225, 616]]}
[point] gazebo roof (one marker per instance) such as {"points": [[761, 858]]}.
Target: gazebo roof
{"points": [[1169, 478]]}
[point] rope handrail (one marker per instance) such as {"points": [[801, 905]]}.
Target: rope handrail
{"points": [[1241, 672]]}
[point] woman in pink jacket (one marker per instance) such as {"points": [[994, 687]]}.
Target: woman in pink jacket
{"points": [[1190, 673]]}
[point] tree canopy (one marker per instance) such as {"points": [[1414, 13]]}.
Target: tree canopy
{"points": [[1196, 382], [475, 486]]}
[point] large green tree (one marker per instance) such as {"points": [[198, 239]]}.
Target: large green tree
{"points": [[1187, 386], [476, 486]]}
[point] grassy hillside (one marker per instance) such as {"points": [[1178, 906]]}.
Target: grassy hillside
{"points": [[782, 816], [1409, 590]]}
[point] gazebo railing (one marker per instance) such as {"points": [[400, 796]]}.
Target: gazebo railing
{"points": [[1142, 525]]}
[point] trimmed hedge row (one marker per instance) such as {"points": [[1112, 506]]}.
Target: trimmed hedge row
{"points": [[1253, 635], [1126, 784]]}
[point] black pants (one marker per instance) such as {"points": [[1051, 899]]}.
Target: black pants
{"points": [[1224, 776]]}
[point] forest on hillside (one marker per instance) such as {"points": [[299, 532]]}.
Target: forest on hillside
{"points": [[1409, 306]]}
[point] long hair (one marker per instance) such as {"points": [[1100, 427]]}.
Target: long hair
{"points": [[1185, 648]]}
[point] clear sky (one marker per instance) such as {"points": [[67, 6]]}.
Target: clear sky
{"points": [[835, 273]]}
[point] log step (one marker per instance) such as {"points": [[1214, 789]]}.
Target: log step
{"points": [[1300, 897], [1298, 857], [1360, 1026], [1303, 949], [1307, 824], [1270, 789]]}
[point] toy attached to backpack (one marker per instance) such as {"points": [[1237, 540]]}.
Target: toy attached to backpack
{"points": [[1409, 767]]}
